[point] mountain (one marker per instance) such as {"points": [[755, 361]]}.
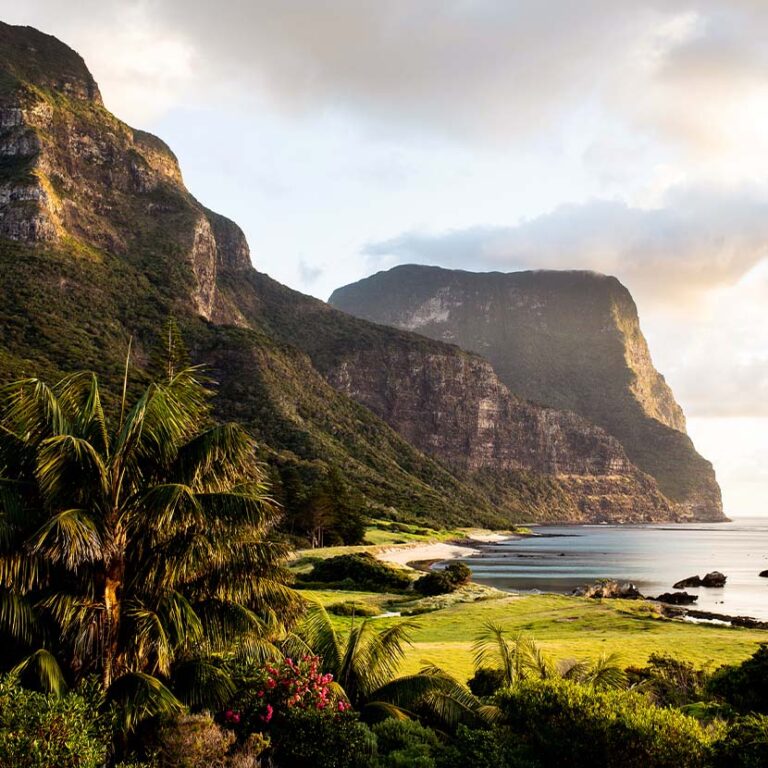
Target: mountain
{"points": [[100, 242], [569, 340]]}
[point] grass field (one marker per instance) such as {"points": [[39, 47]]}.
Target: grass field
{"points": [[567, 627]]}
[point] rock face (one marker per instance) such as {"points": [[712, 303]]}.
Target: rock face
{"points": [[100, 242], [570, 340]]}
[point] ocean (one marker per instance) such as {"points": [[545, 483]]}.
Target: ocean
{"points": [[653, 557]]}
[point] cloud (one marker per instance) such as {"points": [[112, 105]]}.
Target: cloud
{"points": [[698, 268], [690, 72], [698, 240]]}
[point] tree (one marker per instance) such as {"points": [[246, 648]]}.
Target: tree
{"points": [[365, 664], [525, 659], [133, 550]]}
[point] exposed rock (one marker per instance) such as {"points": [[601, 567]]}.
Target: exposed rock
{"points": [[764, 574], [103, 227], [713, 579], [677, 598], [570, 340], [610, 590]]}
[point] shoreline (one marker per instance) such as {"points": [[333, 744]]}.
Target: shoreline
{"points": [[438, 551]]}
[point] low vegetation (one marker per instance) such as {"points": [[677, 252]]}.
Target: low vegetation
{"points": [[148, 621]]}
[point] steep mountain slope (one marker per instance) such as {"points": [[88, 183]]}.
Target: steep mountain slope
{"points": [[570, 340], [100, 242]]}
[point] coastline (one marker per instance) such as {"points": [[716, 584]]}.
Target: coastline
{"points": [[438, 551]]}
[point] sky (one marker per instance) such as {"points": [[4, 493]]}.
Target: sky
{"points": [[348, 136]]}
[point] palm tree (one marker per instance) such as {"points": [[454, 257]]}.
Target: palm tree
{"points": [[364, 663], [525, 659], [132, 551]]}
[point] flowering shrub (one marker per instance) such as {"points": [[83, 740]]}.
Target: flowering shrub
{"points": [[277, 688]]}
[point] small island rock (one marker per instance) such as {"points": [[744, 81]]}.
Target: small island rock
{"points": [[677, 598], [712, 579]]}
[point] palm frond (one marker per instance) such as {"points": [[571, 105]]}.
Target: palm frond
{"points": [[201, 684], [70, 537], [17, 617], [138, 696], [606, 673], [317, 631], [491, 649], [42, 667], [385, 652]]}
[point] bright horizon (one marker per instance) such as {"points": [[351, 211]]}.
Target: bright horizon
{"points": [[347, 137]]}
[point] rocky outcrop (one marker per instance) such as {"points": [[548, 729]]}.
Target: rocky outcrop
{"points": [[677, 598], [569, 340], [95, 216]]}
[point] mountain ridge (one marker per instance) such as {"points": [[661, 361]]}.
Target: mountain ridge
{"points": [[566, 339], [100, 242]]}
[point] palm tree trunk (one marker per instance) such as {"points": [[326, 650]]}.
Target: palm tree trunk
{"points": [[113, 586]]}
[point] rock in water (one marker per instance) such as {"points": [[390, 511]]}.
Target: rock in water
{"points": [[677, 598], [764, 574], [712, 579], [610, 590]]}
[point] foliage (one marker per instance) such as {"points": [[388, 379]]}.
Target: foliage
{"points": [[485, 747], [133, 550], [351, 608], [306, 738], [486, 681], [273, 689], [196, 741], [362, 570], [670, 681], [525, 659], [40, 730], [449, 579], [405, 744], [745, 744], [567, 724], [745, 686]]}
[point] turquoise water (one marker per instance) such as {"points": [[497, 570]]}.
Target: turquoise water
{"points": [[654, 557]]}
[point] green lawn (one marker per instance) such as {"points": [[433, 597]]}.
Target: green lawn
{"points": [[568, 627]]}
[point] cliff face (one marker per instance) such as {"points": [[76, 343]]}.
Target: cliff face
{"points": [[570, 340], [100, 241]]}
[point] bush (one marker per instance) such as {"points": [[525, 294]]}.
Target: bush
{"points": [[305, 738], [405, 744], [362, 570], [483, 748], [486, 681], [351, 608], [442, 582], [744, 687], [566, 724], [745, 745], [671, 682], [196, 741], [44, 731]]}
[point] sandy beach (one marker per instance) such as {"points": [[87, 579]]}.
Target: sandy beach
{"points": [[403, 554]]}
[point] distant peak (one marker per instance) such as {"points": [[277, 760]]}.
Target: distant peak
{"points": [[34, 58]]}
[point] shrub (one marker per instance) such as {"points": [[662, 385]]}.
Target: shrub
{"points": [[351, 608], [44, 731], [405, 744], [275, 689], [482, 748], [197, 741], [486, 681], [305, 738], [571, 725], [746, 686], [672, 683], [449, 579], [362, 570], [745, 745]]}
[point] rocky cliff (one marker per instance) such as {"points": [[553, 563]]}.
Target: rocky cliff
{"points": [[570, 340], [100, 241]]}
